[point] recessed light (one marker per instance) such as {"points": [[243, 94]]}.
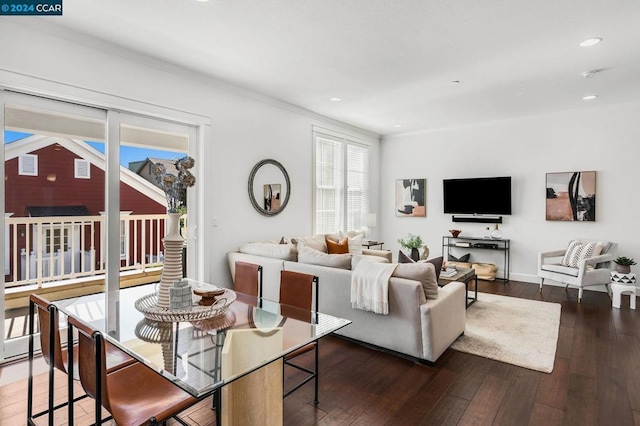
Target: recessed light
{"points": [[202, 1], [397, 125], [591, 41], [589, 97], [335, 99]]}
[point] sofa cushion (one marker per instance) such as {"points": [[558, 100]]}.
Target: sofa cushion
{"points": [[561, 269], [357, 258], [578, 250], [316, 257], [423, 272], [436, 262], [337, 247], [273, 250], [315, 241]]}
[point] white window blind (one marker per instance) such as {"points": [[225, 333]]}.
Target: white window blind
{"points": [[28, 165], [341, 184], [82, 169]]}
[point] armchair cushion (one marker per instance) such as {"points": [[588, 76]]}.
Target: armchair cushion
{"points": [[566, 270], [578, 250]]}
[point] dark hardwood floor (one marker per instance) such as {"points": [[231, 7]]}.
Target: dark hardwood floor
{"points": [[596, 378]]}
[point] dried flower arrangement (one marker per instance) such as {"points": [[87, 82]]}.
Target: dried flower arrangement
{"points": [[175, 187]]}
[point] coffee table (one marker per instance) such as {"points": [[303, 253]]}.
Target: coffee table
{"points": [[464, 275]]}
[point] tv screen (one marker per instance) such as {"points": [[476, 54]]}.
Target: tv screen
{"points": [[488, 196]]}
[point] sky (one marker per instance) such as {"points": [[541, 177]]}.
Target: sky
{"points": [[128, 154]]}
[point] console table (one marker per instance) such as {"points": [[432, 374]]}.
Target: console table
{"points": [[478, 243]]}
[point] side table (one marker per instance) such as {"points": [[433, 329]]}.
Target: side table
{"points": [[622, 284], [369, 244], [464, 275]]}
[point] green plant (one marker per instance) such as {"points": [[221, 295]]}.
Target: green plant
{"points": [[623, 260], [412, 242]]}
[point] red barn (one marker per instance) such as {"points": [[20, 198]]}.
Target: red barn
{"points": [[58, 186]]}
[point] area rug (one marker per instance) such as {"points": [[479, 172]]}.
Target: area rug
{"points": [[516, 331]]}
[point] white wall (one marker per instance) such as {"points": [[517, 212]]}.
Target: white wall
{"points": [[245, 128], [604, 139]]}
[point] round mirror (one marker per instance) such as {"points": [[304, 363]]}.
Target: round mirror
{"points": [[269, 187]]}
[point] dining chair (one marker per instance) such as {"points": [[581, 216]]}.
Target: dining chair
{"points": [[57, 357], [300, 291], [135, 394], [248, 279]]}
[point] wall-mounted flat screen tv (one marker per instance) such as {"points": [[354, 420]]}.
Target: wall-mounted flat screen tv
{"points": [[482, 196]]}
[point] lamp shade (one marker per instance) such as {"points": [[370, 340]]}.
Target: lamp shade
{"points": [[370, 219]]}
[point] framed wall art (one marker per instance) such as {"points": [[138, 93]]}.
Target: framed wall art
{"points": [[411, 197], [571, 196]]}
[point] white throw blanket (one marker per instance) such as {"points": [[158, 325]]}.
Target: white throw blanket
{"points": [[370, 286]]}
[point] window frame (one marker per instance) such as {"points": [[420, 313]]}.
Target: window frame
{"points": [[345, 142]]}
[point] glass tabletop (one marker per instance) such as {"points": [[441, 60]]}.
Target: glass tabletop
{"points": [[202, 356]]}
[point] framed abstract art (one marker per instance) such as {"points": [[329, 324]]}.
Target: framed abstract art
{"points": [[571, 196], [411, 197]]}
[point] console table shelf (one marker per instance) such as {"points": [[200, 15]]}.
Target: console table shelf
{"points": [[478, 243]]}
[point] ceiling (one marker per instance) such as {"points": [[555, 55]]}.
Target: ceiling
{"points": [[421, 64]]}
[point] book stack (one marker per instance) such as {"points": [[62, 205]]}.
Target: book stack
{"points": [[449, 272]]}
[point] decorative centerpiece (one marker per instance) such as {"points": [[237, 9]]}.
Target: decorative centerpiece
{"points": [[175, 189]]}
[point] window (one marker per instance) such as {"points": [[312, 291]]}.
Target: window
{"points": [[124, 234], [341, 184], [82, 169], [28, 165], [56, 239]]}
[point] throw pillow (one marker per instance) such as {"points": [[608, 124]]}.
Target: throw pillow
{"points": [[577, 251], [354, 238], [315, 257], [464, 258], [340, 247], [273, 250], [316, 242], [423, 272], [403, 258], [437, 264]]}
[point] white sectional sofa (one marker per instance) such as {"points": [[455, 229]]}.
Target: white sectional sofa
{"points": [[415, 326]]}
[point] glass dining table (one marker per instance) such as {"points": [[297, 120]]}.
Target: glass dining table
{"points": [[205, 355]]}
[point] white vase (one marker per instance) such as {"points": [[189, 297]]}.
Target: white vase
{"points": [[172, 266], [496, 234]]}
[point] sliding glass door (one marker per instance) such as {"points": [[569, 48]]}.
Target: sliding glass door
{"points": [[53, 188], [83, 211]]}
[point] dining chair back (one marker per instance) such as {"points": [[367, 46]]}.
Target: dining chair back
{"points": [[248, 279], [299, 294], [134, 394], [52, 353]]}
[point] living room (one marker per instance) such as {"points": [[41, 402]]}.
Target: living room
{"points": [[242, 127]]}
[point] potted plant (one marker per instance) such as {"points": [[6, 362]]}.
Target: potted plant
{"points": [[623, 264], [413, 243]]}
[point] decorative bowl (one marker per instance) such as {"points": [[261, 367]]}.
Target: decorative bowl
{"points": [[455, 232]]}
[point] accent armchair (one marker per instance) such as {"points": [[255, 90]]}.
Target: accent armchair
{"points": [[576, 268]]}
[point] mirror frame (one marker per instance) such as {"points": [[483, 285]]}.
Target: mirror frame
{"points": [[252, 176]]}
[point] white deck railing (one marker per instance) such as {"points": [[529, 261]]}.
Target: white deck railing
{"points": [[54, 249]]}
